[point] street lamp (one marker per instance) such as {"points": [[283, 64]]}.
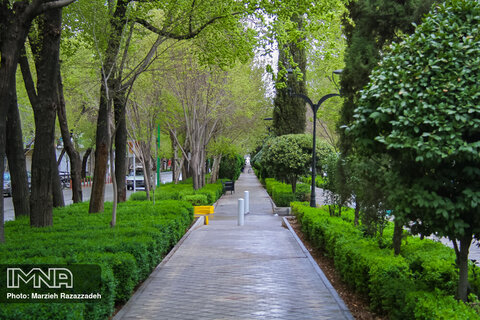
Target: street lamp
{"points": [[315, 107]]}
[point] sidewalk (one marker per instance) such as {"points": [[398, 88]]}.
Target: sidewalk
{"points": [[223, 271]]}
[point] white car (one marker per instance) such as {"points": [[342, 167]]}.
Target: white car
{"points": [[138, 178]]}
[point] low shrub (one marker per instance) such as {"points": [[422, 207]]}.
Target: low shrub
{"points": [[282, 194], [126, 253], [196, 199], [396, 285], [423, 305], [432, 264], [183, 191]]}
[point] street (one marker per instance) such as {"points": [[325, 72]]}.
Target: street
{"points": [[9, 213]]}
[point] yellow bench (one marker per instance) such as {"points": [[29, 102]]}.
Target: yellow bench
{"points": [[203, 210]]}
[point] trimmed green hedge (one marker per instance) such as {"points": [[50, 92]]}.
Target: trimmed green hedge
{"points": [[126, 253], [425, 305], [396, 285], [184, 191], [282, 194], [231, 167]]}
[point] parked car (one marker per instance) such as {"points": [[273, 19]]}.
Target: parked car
{"points": [[7, 184], [139, 179]]}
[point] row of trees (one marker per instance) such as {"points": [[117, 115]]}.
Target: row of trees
{"points": [[104, 50], [409, 141]]}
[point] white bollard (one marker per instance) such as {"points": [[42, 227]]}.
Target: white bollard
{"points": [[246, 196], [241, 212]]}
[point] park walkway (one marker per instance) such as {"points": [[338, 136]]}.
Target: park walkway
{"points": [[223, 271]]}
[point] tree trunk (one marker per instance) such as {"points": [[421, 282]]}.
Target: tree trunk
{"points": [[215, 168], [195, 166], [47, 65], [185, 169], [101, 155], [74, 155], [179, 168], [175, 166], [14, 26], [60, 157], [57, 190], [462, 259], [357, 213], [117, 22], [397, 237], [84, 162], [120, 146], [293, 181], [16, 159], [113, 222], [147, 172]]}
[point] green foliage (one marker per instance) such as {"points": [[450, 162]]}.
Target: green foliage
{"points": [[421, 109], [282, 194], [231, 167], [432, 264], [126, 254], [369, 27], [424, 305], [196, 199], [392, 284], [183, 191], [289, 157], [289, 111]]}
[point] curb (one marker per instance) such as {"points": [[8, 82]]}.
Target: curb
{"points": [[320, 273], [133, 299]]}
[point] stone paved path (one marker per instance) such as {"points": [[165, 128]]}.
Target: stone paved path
{"points": [[223, 271]]}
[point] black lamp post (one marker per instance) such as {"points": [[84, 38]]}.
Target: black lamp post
{"points": [[315, 107]]}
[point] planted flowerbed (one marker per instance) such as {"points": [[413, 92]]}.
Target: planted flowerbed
{"points": [[418, 284], [126, 253]]}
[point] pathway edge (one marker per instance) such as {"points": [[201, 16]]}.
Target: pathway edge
{"points": [[326, 282], [199, 223]]}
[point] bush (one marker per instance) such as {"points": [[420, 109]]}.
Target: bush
{"points": [[196, 199], [282, 195], [390, 282], [231, 167], [424, 305], [171, 191], [127, 253]]}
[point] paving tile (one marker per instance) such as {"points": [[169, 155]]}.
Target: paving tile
{"points": [[223, 271]]}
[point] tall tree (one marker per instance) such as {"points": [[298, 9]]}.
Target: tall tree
{"points": [[370, 27], [190, 21], [15, 22], [289, 111], [16, 160], [73, 154], [421, 109], [45, 44]]}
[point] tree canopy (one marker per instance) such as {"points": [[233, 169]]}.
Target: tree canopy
{"points": [[422, 108]]}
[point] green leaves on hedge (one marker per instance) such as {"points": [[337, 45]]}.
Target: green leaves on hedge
{"points": [[127, 253]]}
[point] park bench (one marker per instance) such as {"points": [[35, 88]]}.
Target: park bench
{"points": [[228, 186], [203, 211]]}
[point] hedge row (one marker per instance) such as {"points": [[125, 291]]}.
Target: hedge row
{"points": [[126, 253], [184, 191], [419, 284], [282, 194], [319, 181]]}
